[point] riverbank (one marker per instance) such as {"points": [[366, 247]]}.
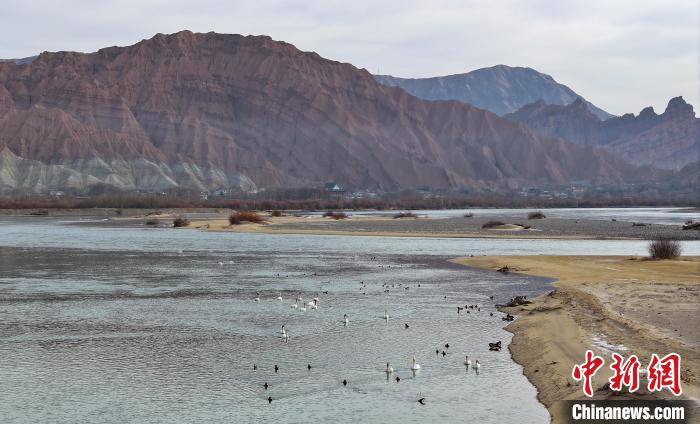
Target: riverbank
{"points": [[513, 226], [607, 304]]}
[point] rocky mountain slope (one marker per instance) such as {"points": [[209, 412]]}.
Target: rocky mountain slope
{"points": [[670, 140], [501, 89], [212, 110]]}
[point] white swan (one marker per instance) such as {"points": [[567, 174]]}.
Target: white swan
{"points": [[345, 318], [386, 315], [314, 306], [280, 296], [467, 362], [283, 330], [303, 307], [389, 369], [477, 366], [415, 367], [257, 299], [294, 305]]}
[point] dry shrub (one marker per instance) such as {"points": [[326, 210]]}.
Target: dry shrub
{"points": [[405, 215], [276, 214], [492, 223], [180, 221], [664, 249], [335, 215], [240, 217], [536, 215]]}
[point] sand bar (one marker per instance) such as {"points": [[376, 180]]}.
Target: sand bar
{"points": [[624, 304]]}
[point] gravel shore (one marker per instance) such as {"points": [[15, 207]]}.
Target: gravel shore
{"points": [[471, 227]]}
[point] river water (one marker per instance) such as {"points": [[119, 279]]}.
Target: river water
{"points": [[116, 325]]}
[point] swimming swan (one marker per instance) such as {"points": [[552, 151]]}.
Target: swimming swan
{"points": [[415, 367], [386, 315], [467, 362], [389, 369], [345, 319]]}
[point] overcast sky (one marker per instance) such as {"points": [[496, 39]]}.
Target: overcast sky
{"points": [[621, 55]]}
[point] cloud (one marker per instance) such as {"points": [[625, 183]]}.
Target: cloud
{"points": [[622, 55]]}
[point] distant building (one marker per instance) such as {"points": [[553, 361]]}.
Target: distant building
{"points": [[333, 187]]}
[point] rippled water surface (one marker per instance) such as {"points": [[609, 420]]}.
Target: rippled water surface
{"points": [[150, 325]]}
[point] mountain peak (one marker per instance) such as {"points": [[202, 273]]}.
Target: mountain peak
{"points": [[501, 89], [648, 113], [678, 108]]}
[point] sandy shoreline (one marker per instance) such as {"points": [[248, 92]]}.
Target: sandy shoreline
{"points": [[603, 303], [454, 227]]}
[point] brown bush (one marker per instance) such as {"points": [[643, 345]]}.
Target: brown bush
{"points": [[664, 249], [153, 222], [276, 214], [335, 215], [240, 217], [536, 215], [180, 221], [492, 223], [405, 215]]}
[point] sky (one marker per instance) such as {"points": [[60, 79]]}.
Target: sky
{"points": [[622, 55]]}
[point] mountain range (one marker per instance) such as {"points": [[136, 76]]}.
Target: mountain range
{"points": [[207, 111], [501, 89], [670, 140]]}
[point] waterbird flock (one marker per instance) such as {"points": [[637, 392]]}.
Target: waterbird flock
{"points": [[313, 304]]}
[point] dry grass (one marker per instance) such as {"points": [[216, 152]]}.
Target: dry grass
{"points": [[664, 249], [180, 221], [492, 224], [405, 215], [536, 215], [335, 215], [240, 217]]}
